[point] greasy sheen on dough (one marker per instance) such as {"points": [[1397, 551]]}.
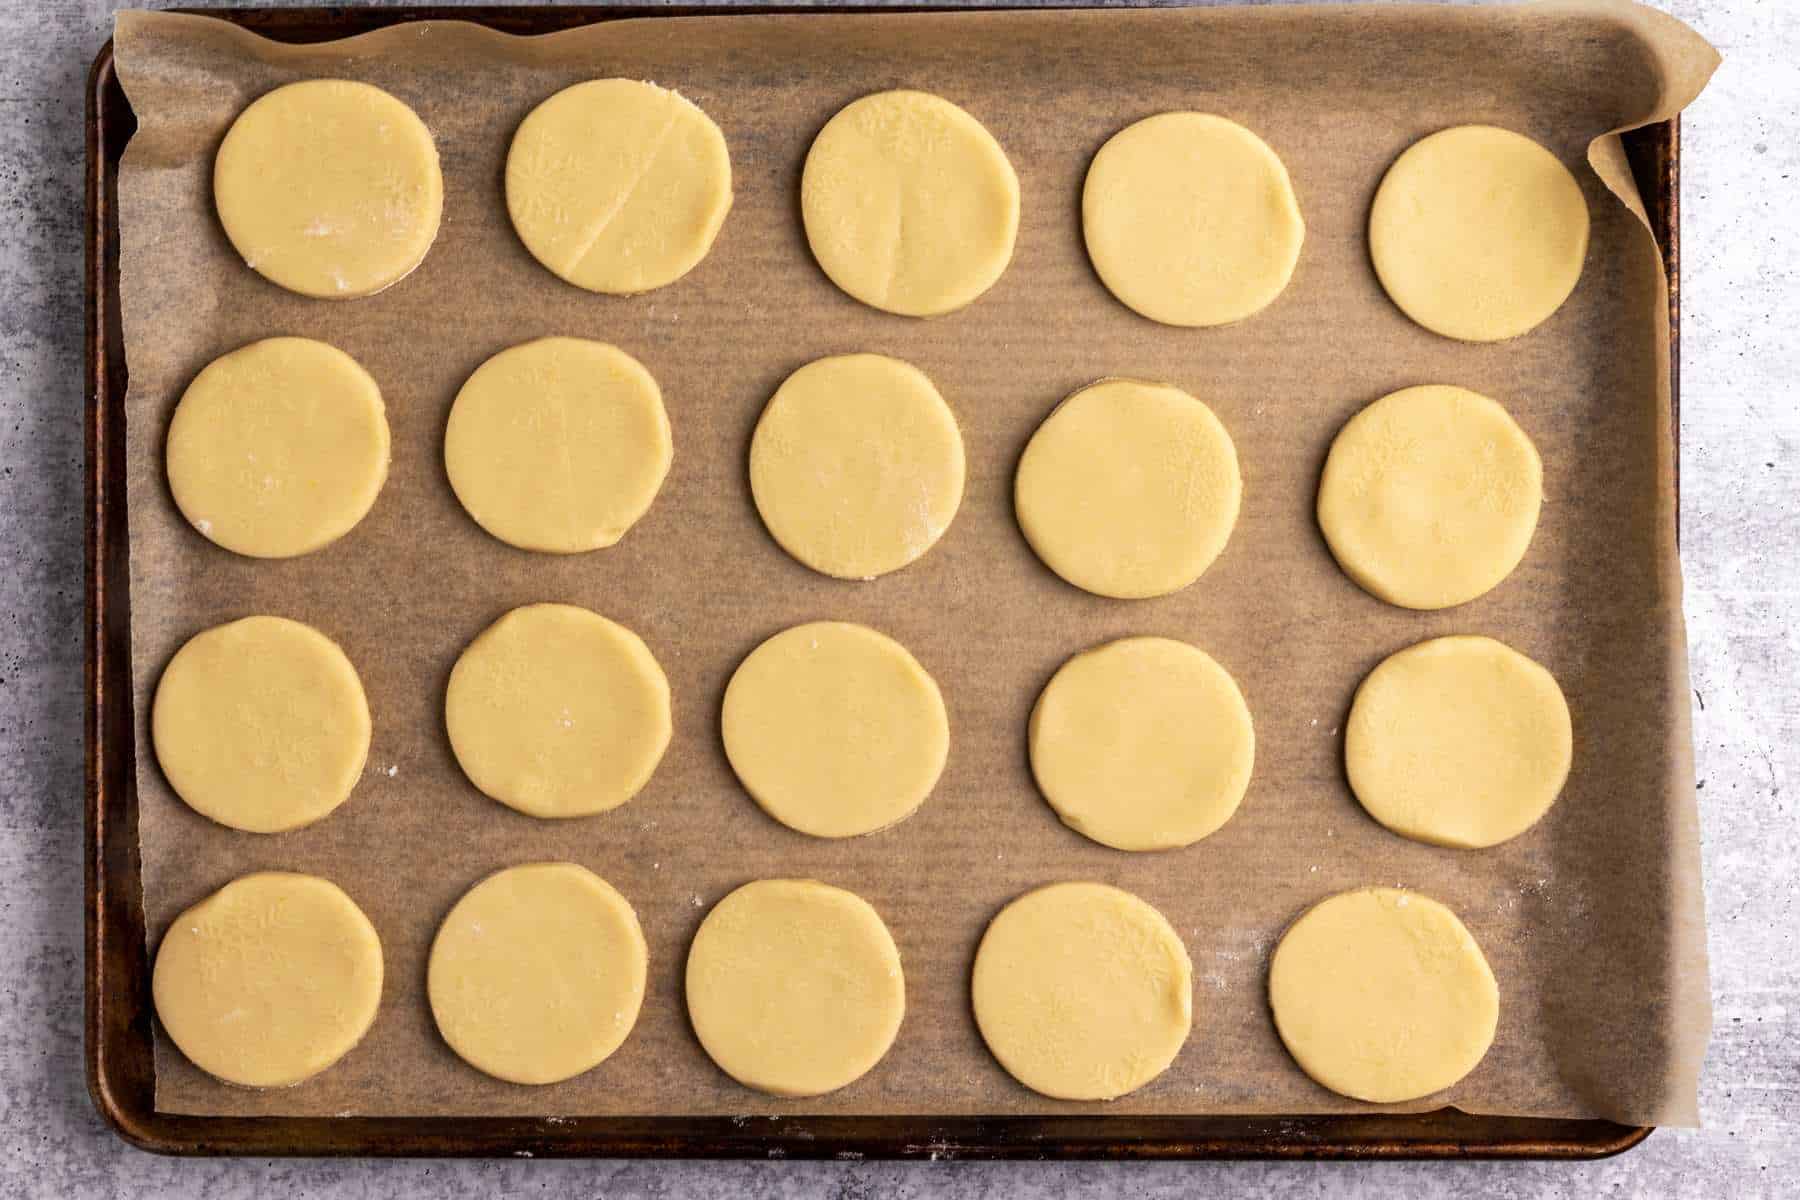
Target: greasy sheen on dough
{"points": [[1142, 744], [1129, 489], [558, 444], [618, 186], [558, 712], [538, 973], [1458, 741], [910, 205], [329, 188], [857, 465], [834, 729], [269, 980], [1429, 496], [794, 987], [1478, 233], [1082, 991], [1382, 995], [1190, 219], [261, 724], [278, 448]]}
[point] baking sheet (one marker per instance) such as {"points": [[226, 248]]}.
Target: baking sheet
{"points": [[1592, 920]]}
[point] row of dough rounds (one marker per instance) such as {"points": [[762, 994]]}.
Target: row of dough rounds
{"points": [[837, 731], [795, 988], [332, 189], [1128, 489]]}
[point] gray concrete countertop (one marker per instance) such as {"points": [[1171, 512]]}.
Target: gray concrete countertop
{"points": [[1740, 473]]}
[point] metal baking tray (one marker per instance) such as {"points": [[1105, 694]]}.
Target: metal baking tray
{"points": [[120, 1071]]}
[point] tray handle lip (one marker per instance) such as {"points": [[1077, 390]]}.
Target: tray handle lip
{"points": [[720, 1138], [156, 1132], [118, 1113]]}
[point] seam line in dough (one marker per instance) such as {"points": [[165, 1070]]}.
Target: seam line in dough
{"points": [[607, 217], [899, 243]]}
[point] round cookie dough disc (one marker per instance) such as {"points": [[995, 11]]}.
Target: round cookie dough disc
{"points": [[538, 972], [1458, 741], [1381, 995], [261, 724], [857, 465], [278, 448], [559, 444], [558, 712], [794, 987], [1190, 219], [1082, 991], [1142, 744], [1129, 489], [329, 188], [269, 980], [1430, 496], [618, 186], [834, 729], [1478, 233], [910, 205]]}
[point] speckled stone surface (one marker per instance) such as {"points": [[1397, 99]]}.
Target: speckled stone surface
{"points": [[1740, 505]]}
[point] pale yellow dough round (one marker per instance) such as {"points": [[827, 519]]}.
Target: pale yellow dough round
{"points": [[910, 205], [794, 987], [558, 444], [269, 980], [558, 712], [1082, 991], [1429, 496], [1478, 233], [1458, 741], [1142, 744], [618, 186], [278, 448], [1382, 995], [1129, 489], [329, 188], [538, 973], [1190, 219], [857, 465], [834, 729], [261, 724]]}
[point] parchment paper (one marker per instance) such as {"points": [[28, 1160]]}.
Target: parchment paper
{"points": [[1592, 920]]}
